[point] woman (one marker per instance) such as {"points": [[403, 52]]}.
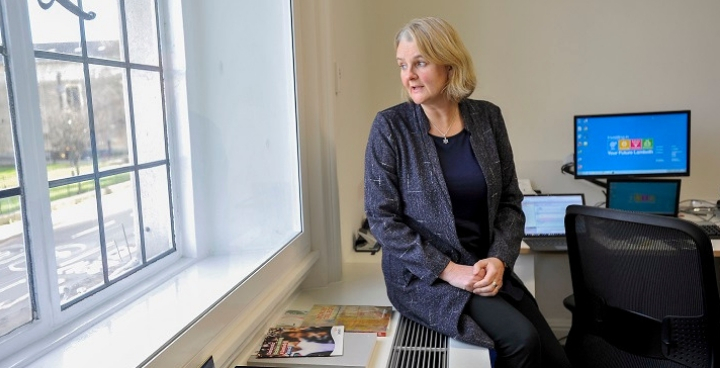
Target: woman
{"points": [[442, 197]]}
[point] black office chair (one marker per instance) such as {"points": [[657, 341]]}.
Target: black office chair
{"points": [[644, 290]]}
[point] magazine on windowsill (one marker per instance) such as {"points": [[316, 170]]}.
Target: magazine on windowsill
{"points": [[308, 341], [357, 353], [355, 318]]}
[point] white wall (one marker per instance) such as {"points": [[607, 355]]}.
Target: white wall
{"points": [[351, 91], [542, 63]]}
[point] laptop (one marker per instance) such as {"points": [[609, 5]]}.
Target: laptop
{"points": [[545, 220], [656, 196]]}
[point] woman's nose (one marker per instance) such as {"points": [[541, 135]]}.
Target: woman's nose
{"points": [[410, 73]]}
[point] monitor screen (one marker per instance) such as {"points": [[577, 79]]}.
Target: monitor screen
{"points": [[633, 144], [545, 213], [657, 196]]}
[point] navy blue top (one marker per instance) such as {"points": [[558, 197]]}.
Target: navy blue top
{"points": [[465, 182]]}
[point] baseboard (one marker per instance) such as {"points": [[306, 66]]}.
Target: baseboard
{"points": [[560, 326]]}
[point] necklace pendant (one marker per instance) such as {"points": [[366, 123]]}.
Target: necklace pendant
{"points": [[445, 140]]}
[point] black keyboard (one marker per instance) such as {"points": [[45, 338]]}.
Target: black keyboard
{"points": [[712, 230], [553, 244]]}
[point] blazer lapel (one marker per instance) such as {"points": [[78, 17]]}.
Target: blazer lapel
{"points": [[483, 147], [430, 155]]}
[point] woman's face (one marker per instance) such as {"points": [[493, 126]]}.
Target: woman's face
{"points": [[423, 80]]}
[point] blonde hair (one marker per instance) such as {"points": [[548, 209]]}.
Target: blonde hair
{"points": [[439, 43]]}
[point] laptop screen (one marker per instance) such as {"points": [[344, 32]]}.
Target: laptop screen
{"points": [[657, 196], [545, 213]]}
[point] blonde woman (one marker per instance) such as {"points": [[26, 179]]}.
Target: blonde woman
{"points": [[442, 197]]}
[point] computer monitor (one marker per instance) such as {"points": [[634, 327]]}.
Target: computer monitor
{"points": [[632, 144], [656, 196]]}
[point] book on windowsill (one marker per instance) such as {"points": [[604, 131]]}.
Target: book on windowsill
{"points": [[358, 349], [355, 318]]}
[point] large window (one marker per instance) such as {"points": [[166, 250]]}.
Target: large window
{"points": [[135, 141], [102, 155]]}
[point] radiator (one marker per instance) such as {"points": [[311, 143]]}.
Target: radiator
{"points": [[416, 346]]}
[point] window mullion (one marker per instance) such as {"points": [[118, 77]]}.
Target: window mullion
{"points": [[93, 149]]}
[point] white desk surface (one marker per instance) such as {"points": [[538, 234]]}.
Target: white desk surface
{"points": [[524, 249]]}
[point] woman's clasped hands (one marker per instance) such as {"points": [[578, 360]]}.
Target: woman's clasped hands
{"points": [[484, 278]]}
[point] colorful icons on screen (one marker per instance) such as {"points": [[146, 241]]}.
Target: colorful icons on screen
{"points": [[631, 144]]}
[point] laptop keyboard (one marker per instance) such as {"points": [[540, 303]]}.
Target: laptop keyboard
{"points": [[712, 230], [546, 244]]}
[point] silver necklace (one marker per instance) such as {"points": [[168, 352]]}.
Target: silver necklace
{"points": [[445, 140]]}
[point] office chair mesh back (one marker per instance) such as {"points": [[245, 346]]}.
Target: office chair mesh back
{"points": [[637, 284]]}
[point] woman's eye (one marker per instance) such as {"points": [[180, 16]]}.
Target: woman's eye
{"points": [[403, 66], [421, 63]]}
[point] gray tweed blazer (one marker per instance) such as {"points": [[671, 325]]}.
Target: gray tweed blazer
{"points": [[408, 207]]}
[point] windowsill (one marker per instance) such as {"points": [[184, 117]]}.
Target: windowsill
{"points": [[136, 332], [361, 284]]}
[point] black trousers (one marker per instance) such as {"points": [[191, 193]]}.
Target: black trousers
{"points": [[522, 336]]}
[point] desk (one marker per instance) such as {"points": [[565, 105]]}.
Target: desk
{"points": [[524, 249], [553, 284], [715, 242]]}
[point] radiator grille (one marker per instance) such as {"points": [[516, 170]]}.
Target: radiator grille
{"points": [[416, 346]]}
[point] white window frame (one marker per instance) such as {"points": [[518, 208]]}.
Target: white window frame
{"points": [[31, 147]]}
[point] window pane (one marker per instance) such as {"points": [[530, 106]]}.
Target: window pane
{"points": [[6, 138], [54, 29], [92, 251], [109, 95], [15, 303], [61, 89], [120, 219], [156, 211], [142, 31], [77, 239], [147, 106], [103, 33]]}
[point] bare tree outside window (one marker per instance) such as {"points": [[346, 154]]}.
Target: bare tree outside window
{"points": [[68, 138]]}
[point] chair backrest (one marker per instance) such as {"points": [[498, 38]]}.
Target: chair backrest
{"points": [[645, 291]]}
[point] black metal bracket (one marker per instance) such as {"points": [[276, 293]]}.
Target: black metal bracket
{"points": [[569, 168], [70, 7]]}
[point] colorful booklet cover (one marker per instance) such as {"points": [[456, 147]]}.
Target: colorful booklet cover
{"points": [[292, 318], [355, 318], [358, 353], [308, 341]]}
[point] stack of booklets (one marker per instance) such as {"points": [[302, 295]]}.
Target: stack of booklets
{"points": [[330, 336], [355, 318]]}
